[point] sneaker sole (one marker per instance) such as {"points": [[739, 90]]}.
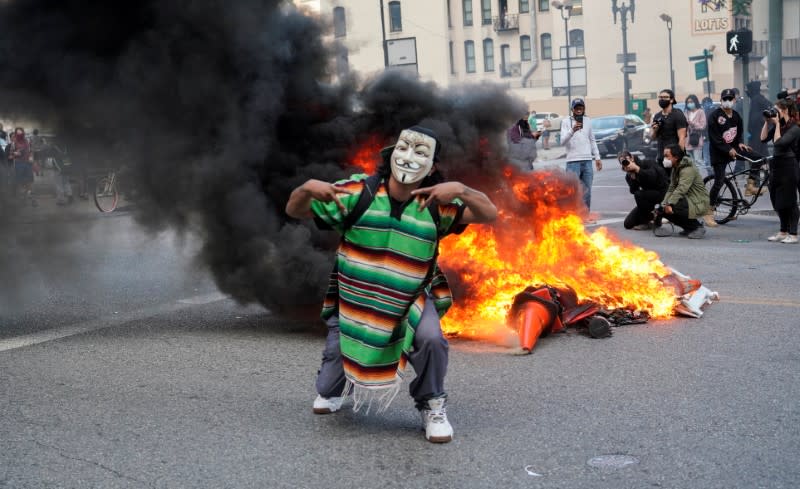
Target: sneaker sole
{"points": [[440, 439], [324, 410]]}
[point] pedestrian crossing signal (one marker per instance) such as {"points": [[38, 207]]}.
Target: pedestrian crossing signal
{"points": [[739, 42]]}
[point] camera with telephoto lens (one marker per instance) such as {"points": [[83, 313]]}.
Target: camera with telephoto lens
{"points": [[770, 113], [625, 163], [658, 215]]}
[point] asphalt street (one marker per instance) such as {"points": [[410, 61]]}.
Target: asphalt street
{"points": [[123, 367]]}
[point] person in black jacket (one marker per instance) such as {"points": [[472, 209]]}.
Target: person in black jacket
{"points": [[648, 183], [783, 182]]}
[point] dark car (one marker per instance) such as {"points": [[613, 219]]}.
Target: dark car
{"points": [[615, 133]]}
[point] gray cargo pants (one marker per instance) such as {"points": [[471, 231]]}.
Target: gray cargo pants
{"points": [[429, 359]]}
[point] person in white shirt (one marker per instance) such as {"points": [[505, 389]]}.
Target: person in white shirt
{"points": [[578, 139]]}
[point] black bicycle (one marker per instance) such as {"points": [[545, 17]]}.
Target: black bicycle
{"points": [[731, 201]]}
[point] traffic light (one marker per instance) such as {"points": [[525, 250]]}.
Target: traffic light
{"points": [[739, 42]]}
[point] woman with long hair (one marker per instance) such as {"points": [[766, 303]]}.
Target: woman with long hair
{"points": [[785, 135], [696, 118]]}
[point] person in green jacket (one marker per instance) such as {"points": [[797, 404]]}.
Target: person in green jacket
{"points": [[686, 199]]}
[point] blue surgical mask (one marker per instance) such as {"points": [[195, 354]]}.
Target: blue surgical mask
{"points": [[691, 106]]}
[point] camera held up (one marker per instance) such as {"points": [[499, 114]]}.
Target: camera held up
{"points": [[770, 113]]}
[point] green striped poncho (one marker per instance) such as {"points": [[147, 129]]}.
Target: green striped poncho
{"points": [[380, 284]]}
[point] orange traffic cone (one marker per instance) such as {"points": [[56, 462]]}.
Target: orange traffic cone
{"points": [[537, 319]]}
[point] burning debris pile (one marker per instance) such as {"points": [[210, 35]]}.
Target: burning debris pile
{"points": [[539, 270]]}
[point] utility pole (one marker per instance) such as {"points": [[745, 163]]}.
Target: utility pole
{"points": [[623, 11], [565, 8], [668, 19], [775, 62], [383, 33]]}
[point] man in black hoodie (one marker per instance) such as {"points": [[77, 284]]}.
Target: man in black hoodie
{"points": [[648, 183]]}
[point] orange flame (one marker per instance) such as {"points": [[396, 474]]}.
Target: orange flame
{"points": [[366, 157], [539, 238]]}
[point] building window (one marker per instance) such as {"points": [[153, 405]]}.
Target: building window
{"points": [[576, 40], [339, 24], [524, 6], [486, 12], [525, 48], [452, 60], [547, 46], [577, 7], [488, 55], [469, 54], [467, 12], [395, 18], [544, 5]]}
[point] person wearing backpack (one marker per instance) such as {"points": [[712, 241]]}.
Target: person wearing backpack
{"points": [[387, 293]]}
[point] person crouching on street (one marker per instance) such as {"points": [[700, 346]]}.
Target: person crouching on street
{"points": [[648, 183], [387, 293], [686, 199]]}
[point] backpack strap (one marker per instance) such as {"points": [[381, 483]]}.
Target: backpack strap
{"points": [[371, 185]]}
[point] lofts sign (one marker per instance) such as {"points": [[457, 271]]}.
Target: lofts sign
{"points": [[710, 17]]}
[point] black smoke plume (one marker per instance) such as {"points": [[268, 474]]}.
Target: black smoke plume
{"points": [[218, 110]]}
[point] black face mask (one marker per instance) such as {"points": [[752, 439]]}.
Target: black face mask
{"points": [[663, 103]]}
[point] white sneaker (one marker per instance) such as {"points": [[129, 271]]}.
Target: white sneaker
{"points": [[789, 239], [327, 405], [434, 417], [778, 236]]}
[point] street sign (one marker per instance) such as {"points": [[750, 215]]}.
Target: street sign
{"points": [[700, 70], [621, 58], [706, 55], [628, 69], [645, 96], [739, 42], [708, 87]]}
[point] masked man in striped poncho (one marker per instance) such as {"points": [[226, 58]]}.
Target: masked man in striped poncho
{"points": [[387, 293]]}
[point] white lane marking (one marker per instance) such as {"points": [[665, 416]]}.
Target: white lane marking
{"points": [[113, 319], [204, 299], [603, 222]]}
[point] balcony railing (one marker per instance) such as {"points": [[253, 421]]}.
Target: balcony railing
{"points": [[510, 69], [789, 47], [504, 23]]}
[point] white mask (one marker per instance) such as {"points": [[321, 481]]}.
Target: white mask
{"points": [[667, 163], [412, 158], [726, 104]]}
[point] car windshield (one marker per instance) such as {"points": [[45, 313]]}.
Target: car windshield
{"points": [[607, 123]]}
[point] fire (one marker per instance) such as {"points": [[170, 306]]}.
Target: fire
{"points": [[539, 238], [365, 157]]}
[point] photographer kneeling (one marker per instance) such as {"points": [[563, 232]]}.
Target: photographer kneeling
{"points": [[686, 199], [648, 183]]}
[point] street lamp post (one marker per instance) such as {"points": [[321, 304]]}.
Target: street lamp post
{"points": [[565, 9], [623, 11], [666, 18]]}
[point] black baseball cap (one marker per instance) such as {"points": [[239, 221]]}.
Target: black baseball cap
{"points": [[727, 93]]}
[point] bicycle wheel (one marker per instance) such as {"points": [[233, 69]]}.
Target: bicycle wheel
{"points": [[106, 196], [727, 200]]}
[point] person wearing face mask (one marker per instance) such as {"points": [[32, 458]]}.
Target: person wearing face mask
{"points": [[784, 179], [648, 182], [669, 125], [758, 104], [696, 118], [686, 199], [725, 129], [387, 293]]}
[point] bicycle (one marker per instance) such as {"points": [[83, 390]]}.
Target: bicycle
{"points": [[106, 193], [731, 202]]}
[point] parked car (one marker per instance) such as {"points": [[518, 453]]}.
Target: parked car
{"points": [[555, 121], [615, 133]]}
